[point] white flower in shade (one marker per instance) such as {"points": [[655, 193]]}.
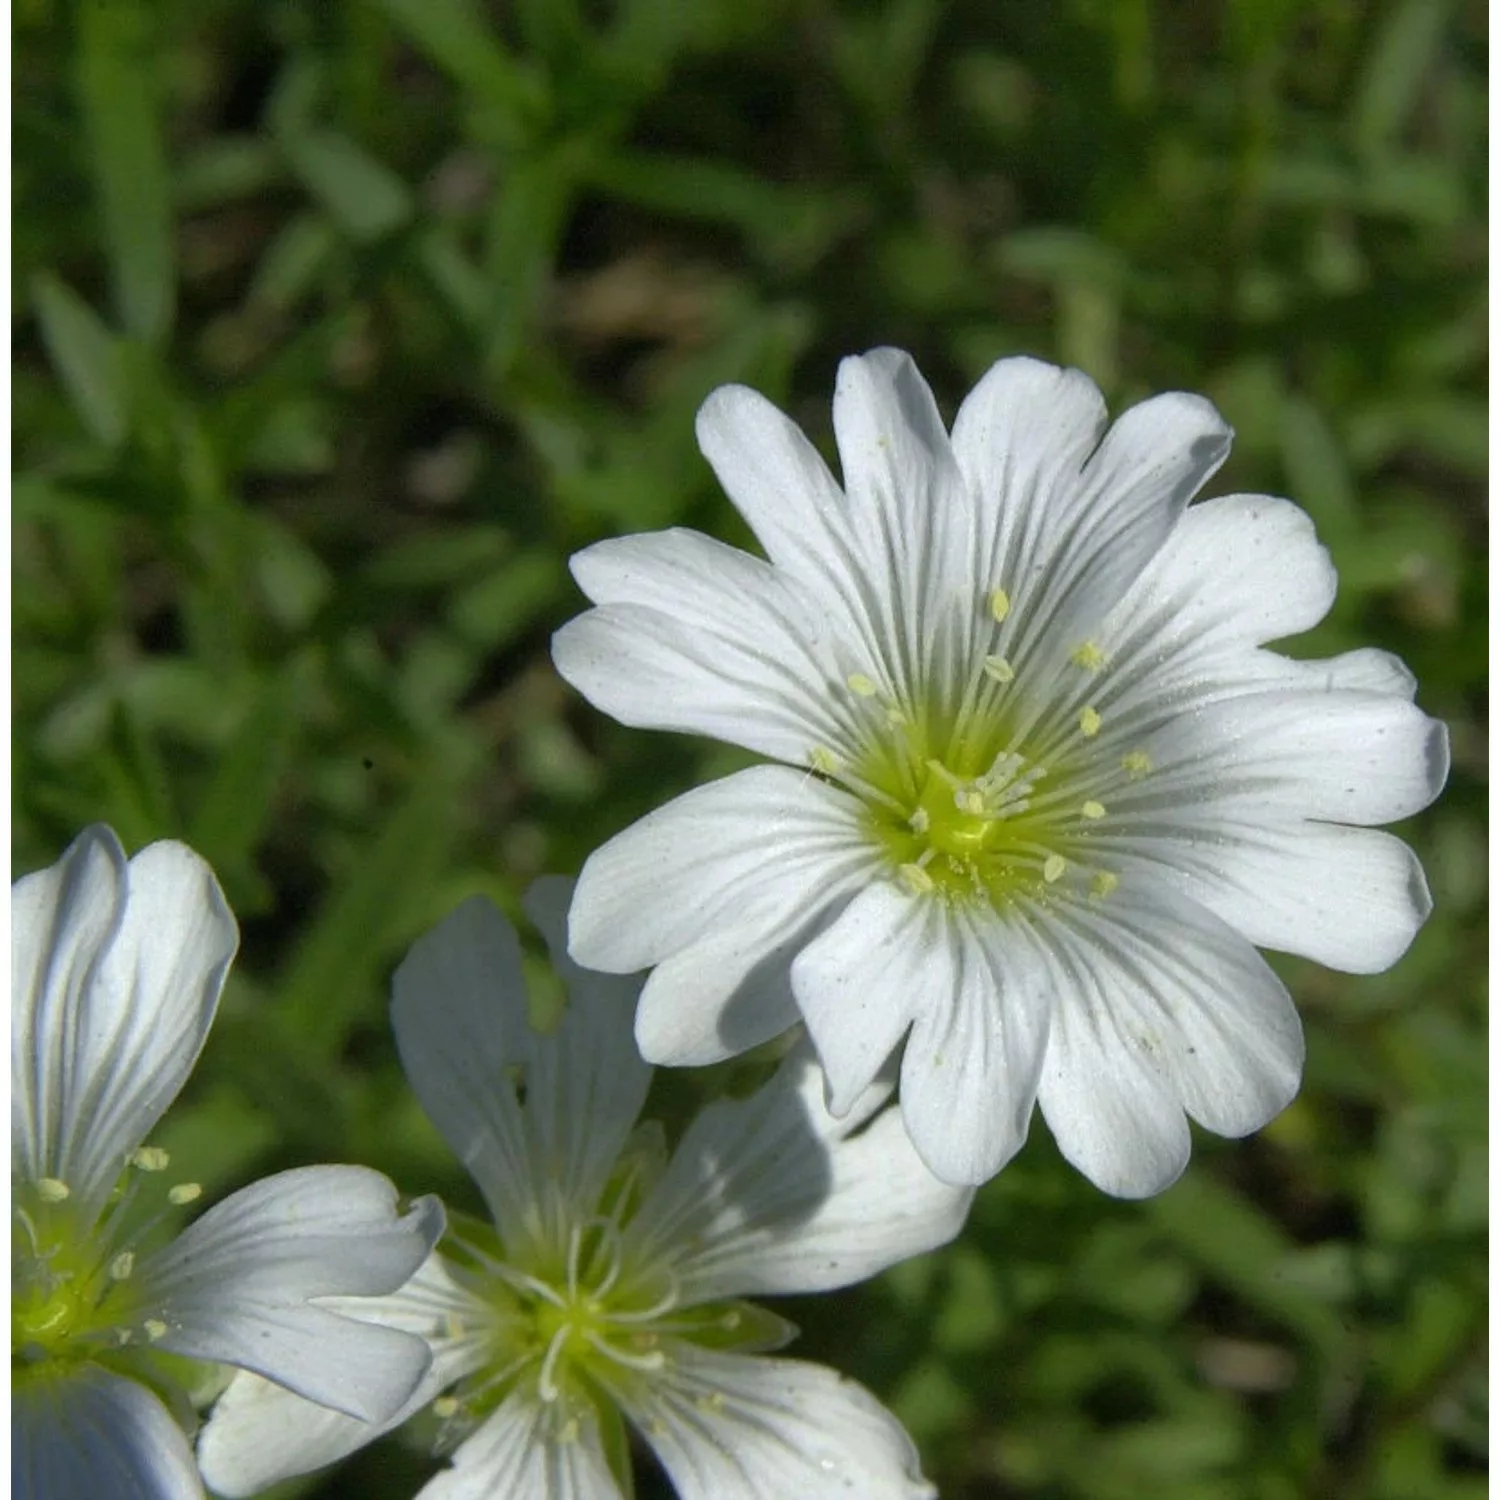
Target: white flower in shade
{"points": [[115, 978], [1042, 787], [609, 1283]]}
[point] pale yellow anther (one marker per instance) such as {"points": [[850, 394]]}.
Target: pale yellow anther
{"points": [[970, 801], [998, 669], [156, 1330], [1104, 884], [656, 1427], [151, 1159], [1054, 868], [1089, 721], [445, 1407], [731, 1320], [121, 1266], [184, 1192], [859, 683], [453, 1325], [52, 1190], [568, 1432], [1136, 764], [896, 719], [916, 880], [1092, 809], [823, 760], [999, 605], [1090, 656], [920, 821], [711, 1401]]}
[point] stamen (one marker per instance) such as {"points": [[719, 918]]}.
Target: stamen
{"points": [[184, 1192], [1092, 809], [1104, 884], [860, 684], [999, 605], [917, 880], [151, 1159], [1089, 655], [997, 669], [53, 1190], [1089, 722], [1053, 868], [1136, 764], [823, 760], [121, 1266], [156, 1330], [445, 1407]]}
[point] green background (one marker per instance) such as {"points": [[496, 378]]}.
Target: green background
{"points": [[340, 326]]}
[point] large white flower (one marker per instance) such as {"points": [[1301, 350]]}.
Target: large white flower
{"points": [[610, 1279], [115, 978], [1042, 787]]}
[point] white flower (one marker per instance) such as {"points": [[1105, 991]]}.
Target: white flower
{"points": [[609, 1281], [116, 973], [1042, 787]]}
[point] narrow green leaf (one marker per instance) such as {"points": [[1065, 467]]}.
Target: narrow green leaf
{"points": [[85, 355], [333, 973], [455, 35], [1397, 72], [116, 76], [362, 196]]}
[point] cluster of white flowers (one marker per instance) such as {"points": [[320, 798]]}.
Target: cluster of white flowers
{"points": [[1041, 791]]}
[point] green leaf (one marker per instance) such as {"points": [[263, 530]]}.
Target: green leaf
{"points": [[85, 355], [362, 196], [116, 76]]}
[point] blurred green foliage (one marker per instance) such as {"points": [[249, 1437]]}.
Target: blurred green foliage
{"points": [[340, 326]]}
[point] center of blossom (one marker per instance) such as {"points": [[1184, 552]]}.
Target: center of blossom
{"points": [[998, 790], [71, 1293]]}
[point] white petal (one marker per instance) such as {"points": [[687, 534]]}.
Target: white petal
{"points": [[94, 1434], [587, 1081], [1242, 569], [731, 990], [237, 1285], [913, 522], [732, 1427], [259, 1434], [458, 1008], [973, 1061], [859, 985], [517, 1452], [1080, 522], [116, 976], [1160, 1006], [1022, 437], [772, 1194], [698, 637], [781, 486], [1338, 756], [1351, 898], [688, 868]]}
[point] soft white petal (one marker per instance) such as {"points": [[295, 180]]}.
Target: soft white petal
{"points": [[772, 1194], [1079, 519], [259, 1434], [1160, 1007], [1338, 756], [1351, 898], [695, 636], [781, 486], [733, 1427], [688, 869], [237, 1286], [586, 1081], [912, 521], [517, 1452], [1238, 569], [458, 1008], [859, 984], [93, 1434], [116, 974], [731, 989], [973, 1061]]}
